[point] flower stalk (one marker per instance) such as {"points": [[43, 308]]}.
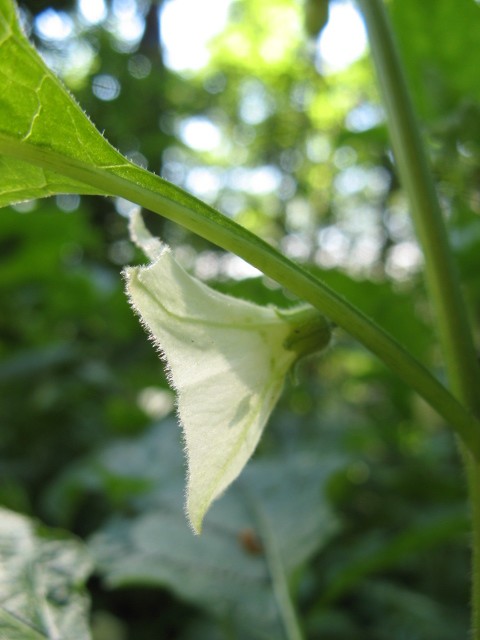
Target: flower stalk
{"points": [[449, 308]]}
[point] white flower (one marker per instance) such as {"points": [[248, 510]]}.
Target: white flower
{"points": [[227, 360]]}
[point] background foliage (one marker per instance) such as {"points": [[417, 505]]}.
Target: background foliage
{"points": [[377, 545]]}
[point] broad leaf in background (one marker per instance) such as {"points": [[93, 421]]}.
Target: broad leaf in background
{"points": [[227, 360], [42, 573], [434, 36], [226, 571]]}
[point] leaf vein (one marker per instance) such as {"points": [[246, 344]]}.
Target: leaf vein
{"points": [[38, 110]]}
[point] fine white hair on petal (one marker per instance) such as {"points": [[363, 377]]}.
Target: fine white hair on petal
{"points": [[152, 247], [128, 274], [226, 361]]}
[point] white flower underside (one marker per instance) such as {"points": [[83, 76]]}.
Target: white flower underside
{"points": [[226, 361]]}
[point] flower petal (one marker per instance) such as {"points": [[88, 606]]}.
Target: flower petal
{"points": [[226, 360]]}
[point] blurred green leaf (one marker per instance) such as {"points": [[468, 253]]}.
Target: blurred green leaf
{"points": [[395, 612], [436, 38], [392, 309], [42, 573], [225, 570], [35, 361], [377, 552]]}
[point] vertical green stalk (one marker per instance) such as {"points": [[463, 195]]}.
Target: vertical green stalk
{"points": [[416, 177], [286, 607], [442, 280]]}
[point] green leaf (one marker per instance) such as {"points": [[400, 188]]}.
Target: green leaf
{"points": [[42, 573], [226, 570], [48, 145], [31, 102], [378, 551], [435, 37], [403, 612]]}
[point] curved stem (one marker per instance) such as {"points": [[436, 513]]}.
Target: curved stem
{"points": [[150, 191]]}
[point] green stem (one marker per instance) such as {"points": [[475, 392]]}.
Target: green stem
{"points": [[150, 191], [276, 568], [473, 473], [442, 280], [416, 177]]}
